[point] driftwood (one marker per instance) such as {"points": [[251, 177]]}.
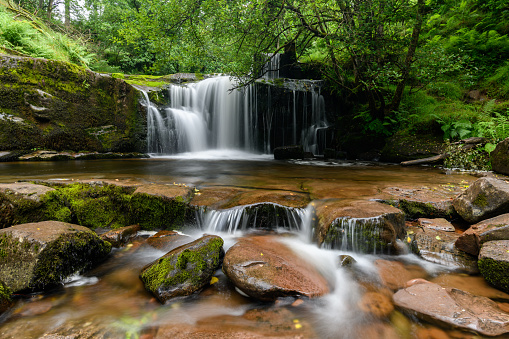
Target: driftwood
{"points": [[472, 140], [429, 160]]}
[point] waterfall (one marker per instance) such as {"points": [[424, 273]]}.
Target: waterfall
{"points": [[211, 115]]}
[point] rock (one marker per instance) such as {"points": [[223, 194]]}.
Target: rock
{"points": [[485, 198], [26, 190], [496, 228], [361, 226], [184, 270], [394, 274], [5, 298], [289, 152], [439, 224], [167, 240], [346, 260], [450, 306], [438, 247], [494, 263], [409, 147], [266, 269], [500, 157], [474, 284], [121, 236], [376, 304], [39, 255]]}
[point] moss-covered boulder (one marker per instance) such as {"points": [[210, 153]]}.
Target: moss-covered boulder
{"points": [[5, 297], [40, 255], [361, 226], [61, 106], [21, 203], [494, 263], [485, 198], [184, 270], [496, 228]]}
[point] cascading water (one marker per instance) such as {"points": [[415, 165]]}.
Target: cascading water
{"points": [[209, 115]]}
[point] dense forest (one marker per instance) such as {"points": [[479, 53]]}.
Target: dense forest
{"points": [[407, 66]]}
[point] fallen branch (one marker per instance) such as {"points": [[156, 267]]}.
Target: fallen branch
{"points": [[429, 160]]}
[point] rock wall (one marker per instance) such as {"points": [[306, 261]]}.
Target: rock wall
{"points": [[60, 106]]}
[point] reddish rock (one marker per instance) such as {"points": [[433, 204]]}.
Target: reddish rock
{"points": [[170, 191], [168, 240], [431, 333], [496, 228], [121, 236], [474, 284], [494, 263], [394, 274], [266, 269], [454, 307], [439, 224], [376, 304]]}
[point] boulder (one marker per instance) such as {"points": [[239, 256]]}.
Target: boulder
{"points": [[36, 256], [439, 224], [264, 268], [361, 226], [5, 298], [496, 228], [121, 236], [485, 198], [289, 152], [168, 240], [438, 247], [500, 157], [494, 263], [453, 307], [394, 274], [376, 304], [184, 270]]}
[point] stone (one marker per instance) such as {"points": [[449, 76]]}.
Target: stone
{"points": [[289, 152], [500, 157], [453, 307], [474, 284], [438, 247], [376, 304], [265, 268], [394, 274], [5, 298], [439, 224], [184, 270], [485, 198], [121, 236], [361, 226], [167, 240], [41, 255], [494, 263], [496, 228], [27, 190]]}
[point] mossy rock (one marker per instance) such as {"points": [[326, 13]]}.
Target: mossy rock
{"points": [[5, 298], [185, 269], [494, 263], [37, 256]]}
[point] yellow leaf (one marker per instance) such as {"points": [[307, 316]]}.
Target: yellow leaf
{"points": [[295, 321], [261, 253], [410, 232], [214, 280], [297, 326], [438, 238], [408, 240]]}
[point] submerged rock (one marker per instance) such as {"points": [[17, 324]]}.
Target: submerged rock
{"points": [[39, 255], [264, 268], [485, 198], [289, 152], [438, 247], [167, 240], [361, 226], [453, 307], [494, 263], [121, 236], [395, 275], [184, 270], [496, 228]]}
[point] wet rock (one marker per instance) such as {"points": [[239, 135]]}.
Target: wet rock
{"points": [[346, 260], [264, 268], [377, 304], [431, 333], [121, 236], [184, 270], [474, 284], [170, 191], [494, 263], [485, 198], [26, 190], [167, 240], [394, 274], [5, 298], [453, 307], [500, 157], [439, 224], [289, 152], [496, 228], [361, 226], [39, 255], [438, 247]]}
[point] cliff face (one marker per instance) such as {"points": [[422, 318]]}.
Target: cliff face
{"points": [[60, 106]]}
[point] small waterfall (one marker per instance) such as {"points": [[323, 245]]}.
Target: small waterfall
{"points": [[257, 216], [271, 68], [209, 115]]}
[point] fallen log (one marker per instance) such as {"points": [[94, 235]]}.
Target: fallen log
{"points": [[429, 160]]}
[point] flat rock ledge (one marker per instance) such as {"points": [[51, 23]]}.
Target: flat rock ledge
{"points": [[485, 198], [494, 263], [39, 255], [266, 269], [496, 228], [184, 270], [452, 307]]}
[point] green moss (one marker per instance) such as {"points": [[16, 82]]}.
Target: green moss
{"points": [[5, 292], [481, 200], [495, 272], [363, 236]]}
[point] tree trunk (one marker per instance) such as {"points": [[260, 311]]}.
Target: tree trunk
{"points": [[396, 99], [67, 14], [49, 10]]}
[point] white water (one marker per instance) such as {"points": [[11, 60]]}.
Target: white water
{"points": [[210, 116]]}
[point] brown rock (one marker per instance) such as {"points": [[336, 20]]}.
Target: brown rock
{"points": [[494, 263], [167, 240], [474, 284], [376, 304], [168, 191], [394, 274], [266, 269], [121, 236], [496, 228], [26, 190], [500, 157], [434, 303], [431, 333], [439, 224]]}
